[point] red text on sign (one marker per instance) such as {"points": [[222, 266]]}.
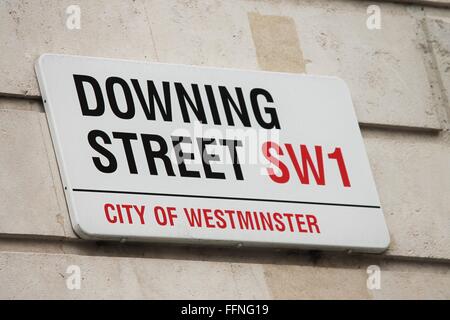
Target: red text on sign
{"points": [[306, 164]]}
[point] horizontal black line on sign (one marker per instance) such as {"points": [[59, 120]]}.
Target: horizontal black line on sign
{"points": [[226, 198]]}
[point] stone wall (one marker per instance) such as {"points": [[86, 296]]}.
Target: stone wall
{"points": [[399, 77]]}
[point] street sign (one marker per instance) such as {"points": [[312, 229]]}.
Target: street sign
{"points": [[165, 152]]}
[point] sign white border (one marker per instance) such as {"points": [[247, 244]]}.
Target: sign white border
{"points": [[373, 233]]}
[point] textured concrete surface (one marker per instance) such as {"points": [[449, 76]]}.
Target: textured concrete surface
{"points": [[30, 28], [438, 27], [331, 280], [129, 278], [376, 64], [295, 277], [333, 36], [276, 43], [400, 83], [31, 196], [412, 175]]}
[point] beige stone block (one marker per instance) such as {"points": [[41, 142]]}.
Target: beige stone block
{"points": [[412, 175], [44, 276], [112, 29], [342, 277], [314, 282], [210, 33], [438, 28], [419, 281], [31, 196], [385, 69]]}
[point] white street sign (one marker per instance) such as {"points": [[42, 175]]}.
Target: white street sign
{"points": [[163, 152]]}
